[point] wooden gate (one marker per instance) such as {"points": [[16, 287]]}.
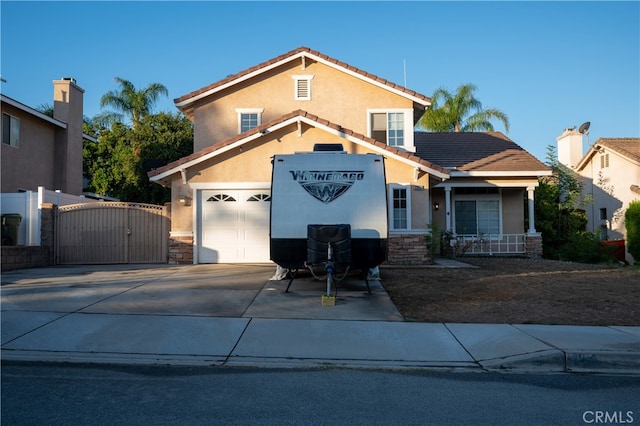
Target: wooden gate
{"points": [[112, 232]]}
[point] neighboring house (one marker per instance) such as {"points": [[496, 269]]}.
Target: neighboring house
{"points": [[221, 192], [42, 151], [610, 171]]}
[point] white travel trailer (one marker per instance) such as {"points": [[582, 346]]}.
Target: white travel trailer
{"points": [[328, 193]]}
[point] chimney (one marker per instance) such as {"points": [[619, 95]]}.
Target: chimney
{"points": [[570, 147], [68, 108]]}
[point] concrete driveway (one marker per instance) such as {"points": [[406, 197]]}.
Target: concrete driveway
{"points": [[234, 315], [218, 290]]}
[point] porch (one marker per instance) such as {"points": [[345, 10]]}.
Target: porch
{"points": [[486, 244]]}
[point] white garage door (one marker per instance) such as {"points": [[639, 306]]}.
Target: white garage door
{"points": [[234, 226]]}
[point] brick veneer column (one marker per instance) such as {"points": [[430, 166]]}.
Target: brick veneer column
{"points": [[180, 250], [533, 245], [408, 249], [48, 230]]}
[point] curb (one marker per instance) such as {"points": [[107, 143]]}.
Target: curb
{"points": [[546, 361], [551, 360], [603, 362]]}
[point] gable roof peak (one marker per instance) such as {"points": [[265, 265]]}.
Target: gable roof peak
{"points": [[164, 172], [185, 102]]}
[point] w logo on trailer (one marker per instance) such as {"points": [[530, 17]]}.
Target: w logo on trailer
{"points": [[325, 185]]}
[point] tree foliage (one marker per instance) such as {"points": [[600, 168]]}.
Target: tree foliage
{"points": [[115, 164], [632, 225], [460, 112], [561, 218]]}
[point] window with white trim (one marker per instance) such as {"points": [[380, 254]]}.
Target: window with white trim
{"points": [[476, 211], [249, 118], [400, 213], [302, 87], [10, 130], [392, 127]]}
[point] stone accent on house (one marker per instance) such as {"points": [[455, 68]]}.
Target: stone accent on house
{"points": [[408, 249], [533, 245], [181, 250]]}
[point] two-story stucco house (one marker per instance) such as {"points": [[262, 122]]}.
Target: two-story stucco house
{"points": [[43, 151], [475, 185], [610, 171]]}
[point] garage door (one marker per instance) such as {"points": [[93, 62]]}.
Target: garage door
{"points": [[234, 226]]}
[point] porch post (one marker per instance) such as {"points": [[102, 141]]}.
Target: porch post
{"points": [[532, 222], [447, 208]]}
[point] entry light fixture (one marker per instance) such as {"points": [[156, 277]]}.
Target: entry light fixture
{"points": [[184, 200], [436, 206]]}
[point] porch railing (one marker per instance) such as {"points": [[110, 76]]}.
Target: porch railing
{"points": [[489, 244]]}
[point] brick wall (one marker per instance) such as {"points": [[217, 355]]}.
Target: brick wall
{"points": [[408, 250], [20, 257], [180, 250], [533, 246]]}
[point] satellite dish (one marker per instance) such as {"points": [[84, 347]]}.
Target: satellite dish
{"points": [[584, 128]]}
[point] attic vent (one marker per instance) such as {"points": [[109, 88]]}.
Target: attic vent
{"points": [[302, 87]]}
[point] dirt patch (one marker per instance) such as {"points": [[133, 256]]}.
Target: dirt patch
{"points": [[517, 291]]}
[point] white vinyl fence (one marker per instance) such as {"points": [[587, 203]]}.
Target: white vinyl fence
{"points": [[27, 205]]}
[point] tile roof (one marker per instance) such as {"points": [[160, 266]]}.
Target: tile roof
{"points": [[475, 152], [629, 147], [311, 53], [175, 165]]}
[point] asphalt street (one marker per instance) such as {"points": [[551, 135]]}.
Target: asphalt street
{"points": [[77, 394]]}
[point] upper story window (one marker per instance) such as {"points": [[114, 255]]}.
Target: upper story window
{"points": [[603, 214], [10, 130], [393, 127], [302, 87], [249, 118]]}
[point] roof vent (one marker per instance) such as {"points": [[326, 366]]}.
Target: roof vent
{"points": [[327, 147]]}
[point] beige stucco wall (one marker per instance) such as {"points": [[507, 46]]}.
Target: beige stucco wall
{"points": [[335, 96], [513, 210], [32, 163], [252, 163], [610, 189]]}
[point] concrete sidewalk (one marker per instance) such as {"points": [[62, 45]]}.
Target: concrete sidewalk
{"points": [[233, 315]]}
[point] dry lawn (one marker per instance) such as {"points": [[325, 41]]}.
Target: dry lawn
{"points": [[517, 291]]}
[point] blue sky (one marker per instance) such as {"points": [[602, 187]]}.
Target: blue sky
{"points": [[547, 65]]}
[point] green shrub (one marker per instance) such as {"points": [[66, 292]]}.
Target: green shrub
{"points": [[432, 239], [585, 247], [632, 223]]}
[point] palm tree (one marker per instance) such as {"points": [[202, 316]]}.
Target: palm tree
{"points": [[460, 112], [136, 104]]}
